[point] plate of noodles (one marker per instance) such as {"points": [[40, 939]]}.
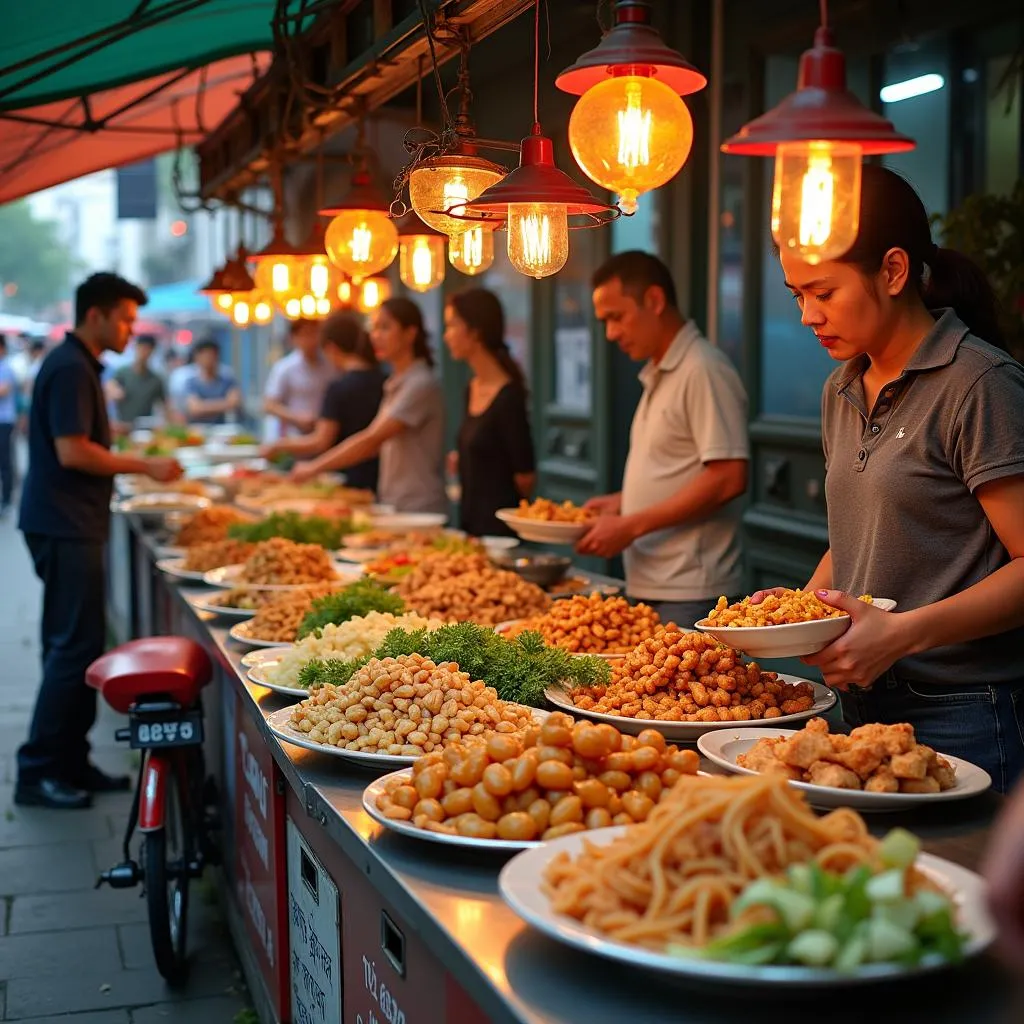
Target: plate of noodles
{"points": [[733, 879]]}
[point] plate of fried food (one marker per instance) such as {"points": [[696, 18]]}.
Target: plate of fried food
{"points": [[334, 720], [874, 768], [209, 524], [605, 626], [513, 791], [240, 603], [161, 503], [176, 567], [687, 684], [546, 521], [787, 624], [735, 880], [279, 564]]}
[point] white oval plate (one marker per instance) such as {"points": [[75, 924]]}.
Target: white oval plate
{"points": [[170, 551], [687, 732], [520, 884], [172, 567], [791, 640], [406, 828], [262, 656], [160, 504], [724, 746], [503, 627], [228, 577], [288, 691], [228, 611], [278, 723], [541, 530], [240, 633]]}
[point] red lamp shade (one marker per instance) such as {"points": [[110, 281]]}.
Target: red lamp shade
{"points": [[215, 286], [537, 181], [235, 276], [633, 47], [821, 109], [362, 195]]}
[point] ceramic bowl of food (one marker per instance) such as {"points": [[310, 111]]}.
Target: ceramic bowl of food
{"points": [[543, 569]]}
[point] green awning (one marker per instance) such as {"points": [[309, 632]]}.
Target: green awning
{"points": [[63, 49]]}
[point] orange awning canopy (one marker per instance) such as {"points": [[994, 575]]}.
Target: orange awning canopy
{"points": [[45, 145]]}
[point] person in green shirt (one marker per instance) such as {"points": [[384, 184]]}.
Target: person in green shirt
{"points": [[136, 390]]}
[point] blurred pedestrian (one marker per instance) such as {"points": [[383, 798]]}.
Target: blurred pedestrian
{"points": [[297, 383], [8, 420]]}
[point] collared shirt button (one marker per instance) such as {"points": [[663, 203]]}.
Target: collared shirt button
{"points": [[888, 392], [862, 454], [875, 428]]}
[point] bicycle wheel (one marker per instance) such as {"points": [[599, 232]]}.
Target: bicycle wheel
{"points": [[166, 856]]}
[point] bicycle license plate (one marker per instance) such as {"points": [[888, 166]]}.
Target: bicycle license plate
{"points": [[173, 729]]}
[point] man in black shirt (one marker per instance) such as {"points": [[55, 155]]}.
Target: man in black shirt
{"points": [[65, 512]]}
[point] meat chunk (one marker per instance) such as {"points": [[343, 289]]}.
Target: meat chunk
{"points": [[760, 757], [825, 773], [943, 773], [925, 785], [810, 744], [894, 739], [861, 758], [882, 781], [914, 763]]}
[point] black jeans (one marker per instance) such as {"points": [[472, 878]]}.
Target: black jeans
{"points": [[73, 636], [6, 463]]}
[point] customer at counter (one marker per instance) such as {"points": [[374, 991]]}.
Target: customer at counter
{"points": [[923, 430], [494, 459], [211, 391], [65, 513], [297, 383], [675, 519], [351, 401], [408, 431]]}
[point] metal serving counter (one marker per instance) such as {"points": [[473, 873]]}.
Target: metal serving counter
{"points": [[422, 934]]}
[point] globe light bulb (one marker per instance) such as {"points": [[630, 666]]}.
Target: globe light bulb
{"points": [[223, 302], [241, 312], [345, 292], [421, 261], [471, 252], [262, 311], [293, 308], [630, 134], [538, 238], [442, 184], [361, 242], [323, 307], [816, 199]]}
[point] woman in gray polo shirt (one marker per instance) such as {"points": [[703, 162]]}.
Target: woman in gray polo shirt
{"points": [[408, 430], [923, 430]]}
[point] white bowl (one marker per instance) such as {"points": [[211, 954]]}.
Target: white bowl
{"points": [[499, 545], [792, 640], [542, 531]]}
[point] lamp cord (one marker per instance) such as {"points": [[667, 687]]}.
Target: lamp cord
{"points": [[823, 8], [536, 62]]}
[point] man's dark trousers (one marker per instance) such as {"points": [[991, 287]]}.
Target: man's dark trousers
{"points": [[73, 636]]}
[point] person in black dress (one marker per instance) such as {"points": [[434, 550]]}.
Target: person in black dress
{"points": [[494, 460], [350, 402]]}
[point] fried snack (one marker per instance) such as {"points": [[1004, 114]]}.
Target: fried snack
{"points": [[279, 616], [405, 706], [874, 758], [690, 677], [554, 779], [284, 563], [672, 879], [467, 588], [550, 512], [775, 610], [208, 524], [215, 553], [593, 625]]}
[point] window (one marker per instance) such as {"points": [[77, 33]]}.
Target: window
{"points": [[573, 341]]}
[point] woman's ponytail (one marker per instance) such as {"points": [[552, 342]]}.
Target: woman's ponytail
{"points": [[953, 279]]}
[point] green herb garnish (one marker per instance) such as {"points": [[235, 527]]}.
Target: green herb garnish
{"points": [[356, 599]]}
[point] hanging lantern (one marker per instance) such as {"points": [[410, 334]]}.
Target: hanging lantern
{"points": [[446, 182], [229, 282], [361, 240], [371, 293], [279, 266], [818, 136], [420, 254], [537, 201], [631, 132], [471, 251]]}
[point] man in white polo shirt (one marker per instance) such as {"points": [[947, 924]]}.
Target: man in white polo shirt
{"points": [[676, 519]]}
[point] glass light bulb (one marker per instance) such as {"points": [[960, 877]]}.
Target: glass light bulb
{"points": [[224, 301], [372, 292], [816, 199], [293, 309], [319, 276], [241, 313], [277, 276], [441, 185], [361, 242], [471, 252], [262, 311], [323, 306], [421, 262], [345, 292], [538, 238], [630, 134]]}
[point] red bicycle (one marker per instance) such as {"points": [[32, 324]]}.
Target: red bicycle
{"points": [[157, 683]]}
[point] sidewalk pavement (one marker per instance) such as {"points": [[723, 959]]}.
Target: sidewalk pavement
{"points": [[68, 952]]}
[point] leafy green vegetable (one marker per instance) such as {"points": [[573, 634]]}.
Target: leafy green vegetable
{"points": [[328, 533], [356, 599], [828, 920], [519, 669]]}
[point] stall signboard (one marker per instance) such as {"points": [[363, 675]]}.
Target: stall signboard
{"points": [[259, 857], [314, 929]]}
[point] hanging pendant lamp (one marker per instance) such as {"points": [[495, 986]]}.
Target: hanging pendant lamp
{"points": [[818, 135], [631, 132], [421, 257]]}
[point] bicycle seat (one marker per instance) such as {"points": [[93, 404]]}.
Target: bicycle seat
{"points": [[173, 666]]}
